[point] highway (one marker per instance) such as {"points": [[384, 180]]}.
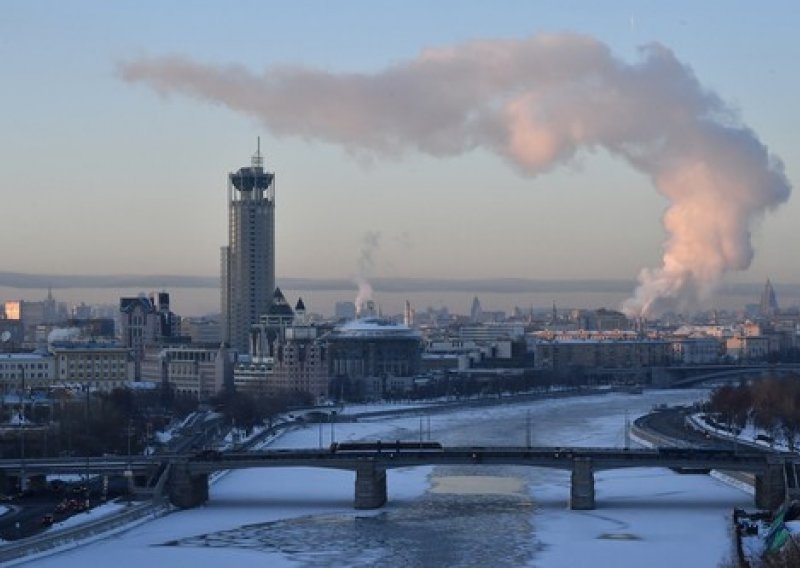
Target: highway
{"points": [[671, 423]]}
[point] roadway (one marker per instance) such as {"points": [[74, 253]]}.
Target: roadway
{"points": [[671, 423], [29, 509]]}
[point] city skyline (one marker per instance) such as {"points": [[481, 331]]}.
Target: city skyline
{"points": [[122, 152]]}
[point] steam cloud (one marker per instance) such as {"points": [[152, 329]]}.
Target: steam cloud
{"points": [[535, 102], [63, 334], [369, 244]]}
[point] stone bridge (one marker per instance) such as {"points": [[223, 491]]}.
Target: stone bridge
{"points": [[188, 486], [184, 477]]}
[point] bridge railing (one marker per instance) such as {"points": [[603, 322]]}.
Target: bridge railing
{"points": [[28, 548]]}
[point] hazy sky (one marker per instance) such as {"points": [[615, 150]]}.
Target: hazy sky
{"points": [[105, 175]]}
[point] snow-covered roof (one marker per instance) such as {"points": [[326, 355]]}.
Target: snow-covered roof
{"points": [[374, 327], [24, 356]]}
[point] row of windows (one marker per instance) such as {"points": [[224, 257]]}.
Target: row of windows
{"points": [[89, 375], [118, 357], [32, 375], [26, 366], [97, 365]]}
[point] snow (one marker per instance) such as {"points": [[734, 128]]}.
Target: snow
{"points": [[650, 517], [92, 514]]}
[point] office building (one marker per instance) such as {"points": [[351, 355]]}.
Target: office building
{"points": [[248, 261]]}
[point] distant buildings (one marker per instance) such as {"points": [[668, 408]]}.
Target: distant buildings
{"points": [[345, 310], [30, 315], [248, 261]]}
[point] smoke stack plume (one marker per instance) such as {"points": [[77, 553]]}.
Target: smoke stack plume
{"points": [[369, 244], [536, 102]]}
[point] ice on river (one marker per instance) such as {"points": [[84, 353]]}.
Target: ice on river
{"points": [[448, 516]]}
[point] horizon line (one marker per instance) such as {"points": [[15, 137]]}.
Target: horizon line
{"points": [[21, 280]]}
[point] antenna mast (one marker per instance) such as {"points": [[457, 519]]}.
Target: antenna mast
{"points": [[258, 161]]}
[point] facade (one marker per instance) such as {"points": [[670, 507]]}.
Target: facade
{"points": [[201, 330], [696, 350], [491, 332], [22, 371], [286, 354], [145, 321], [98, 366], [747, 347], [10, 335], [600, 320], [200, 370], [248, 261], [367, 356], [601, 354]]}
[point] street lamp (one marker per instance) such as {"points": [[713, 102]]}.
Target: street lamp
{"points": [[129, 471], [20, 421]]}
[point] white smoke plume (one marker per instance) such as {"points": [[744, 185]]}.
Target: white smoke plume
{"points": [[63, 334], [536, 102], [369, 244]]}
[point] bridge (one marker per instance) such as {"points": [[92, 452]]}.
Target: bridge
{"points": [[185, 476], [681, 376]]}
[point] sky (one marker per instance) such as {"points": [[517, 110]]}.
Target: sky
{"points": [[106, 171]]}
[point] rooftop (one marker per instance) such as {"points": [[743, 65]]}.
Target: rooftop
{"points": [[374, 327]]}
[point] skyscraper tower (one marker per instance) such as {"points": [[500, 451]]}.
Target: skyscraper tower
{"points": [[248, 262], [768, 306]]}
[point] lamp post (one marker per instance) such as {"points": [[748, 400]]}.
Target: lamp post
{"points": [[528, 441], [129, 471], [20, 422]]}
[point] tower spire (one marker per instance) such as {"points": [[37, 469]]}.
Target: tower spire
{"points": [[257, 160]]}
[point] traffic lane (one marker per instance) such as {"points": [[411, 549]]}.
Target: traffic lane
{"points": [[26, 517], [30, 511], [672, 424]]}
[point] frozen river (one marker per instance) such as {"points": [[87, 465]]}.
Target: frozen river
{"points": [[448, 516]]}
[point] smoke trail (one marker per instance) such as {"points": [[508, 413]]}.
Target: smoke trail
{"points": [[536, 102], [63, 334], [369, 244]]}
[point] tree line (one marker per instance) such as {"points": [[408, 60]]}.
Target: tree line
{"points": [[124, 420], [771, 404]]}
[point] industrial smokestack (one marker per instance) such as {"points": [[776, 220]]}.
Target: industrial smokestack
{"points": [[536, 102]]}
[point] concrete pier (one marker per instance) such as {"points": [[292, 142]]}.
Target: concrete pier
{"points": [[370, 487], [770, 487], [582, 491], [187, 490]]}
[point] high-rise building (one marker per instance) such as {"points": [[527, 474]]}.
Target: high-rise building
{"points": [[768, 306], [248, 262]]}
